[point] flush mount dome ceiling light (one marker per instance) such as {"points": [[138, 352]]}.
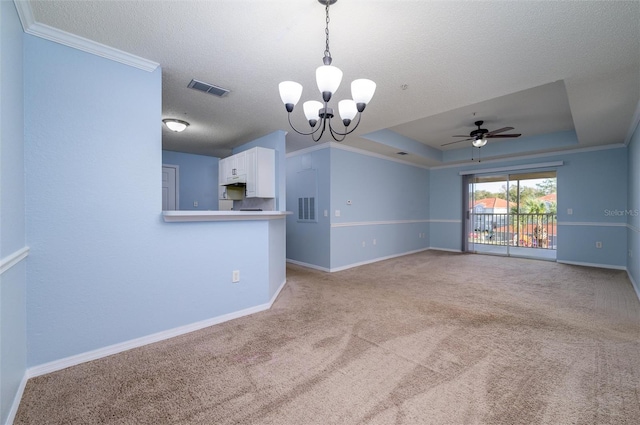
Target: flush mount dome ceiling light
{"points": [[328, 79], [175, 125]]}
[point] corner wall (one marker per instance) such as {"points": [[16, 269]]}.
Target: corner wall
{"points": [[368, 208], [13, 249], [308, 242], [105, 271], [633, 208]]}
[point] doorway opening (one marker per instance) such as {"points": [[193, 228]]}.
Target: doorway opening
{"points": [[512, 214]]}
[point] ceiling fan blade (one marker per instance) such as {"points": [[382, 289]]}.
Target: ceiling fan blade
{"points": [[457, 141], [460, 135], [495, 136], [500, 130]]}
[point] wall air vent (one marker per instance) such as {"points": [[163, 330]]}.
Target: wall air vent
{"points": [[208, 88]]}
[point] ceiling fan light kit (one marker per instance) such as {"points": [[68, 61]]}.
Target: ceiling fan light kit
{"points": [[479, 142], [328, 79]]}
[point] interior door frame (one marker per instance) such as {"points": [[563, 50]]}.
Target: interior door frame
{"points": [[177, 188]]}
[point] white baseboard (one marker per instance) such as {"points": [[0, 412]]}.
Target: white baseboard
{"points": [[275, 295], [375, 260], [13, 259], [16, 400], [444, 249], [601, 266], [362, 263], [149, 339], [308, 265]]}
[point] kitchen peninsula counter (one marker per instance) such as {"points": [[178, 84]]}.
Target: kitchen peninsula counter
{"points": [[182, 216]]}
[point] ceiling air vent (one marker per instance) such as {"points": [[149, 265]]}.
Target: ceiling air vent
{"points": [[402, 153], [207, 88]]}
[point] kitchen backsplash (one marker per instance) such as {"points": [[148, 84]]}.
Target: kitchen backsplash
{"points": [[265, 204]]}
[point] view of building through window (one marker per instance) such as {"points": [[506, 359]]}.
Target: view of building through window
{"points": [[513, 214]]}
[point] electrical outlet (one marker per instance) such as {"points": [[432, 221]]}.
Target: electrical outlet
{"points": [[374, 241], [364, 244], [235, 276], [326, 213], [598, 244], [337, 213], [630, 254], [569, 211], [195, 203]]}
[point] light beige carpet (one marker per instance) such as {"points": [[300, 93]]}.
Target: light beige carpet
{"points": [[429, 338]]}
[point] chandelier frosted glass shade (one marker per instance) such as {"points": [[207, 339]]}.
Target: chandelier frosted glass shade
{"points": [[347, 109], [362, 91], [328, 79], [312, 111], [290, 93]]}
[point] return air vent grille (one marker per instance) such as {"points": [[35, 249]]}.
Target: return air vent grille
{"points": [[208, 88], [307, 209]]}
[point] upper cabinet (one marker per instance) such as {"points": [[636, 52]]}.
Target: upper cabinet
{"points": [[261, 173], [237, 165], [254, 167]]}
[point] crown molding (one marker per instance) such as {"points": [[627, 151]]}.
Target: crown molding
{"points": [[327, 145], [536, 155], [635, 122], [31, 26]]}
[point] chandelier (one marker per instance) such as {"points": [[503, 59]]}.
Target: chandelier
{"points": [[328, 79]]}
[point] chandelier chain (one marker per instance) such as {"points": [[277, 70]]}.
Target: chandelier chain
{"points": [[327, 53]]}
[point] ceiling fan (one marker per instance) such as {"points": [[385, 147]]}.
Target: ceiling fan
{"points": [[479, 136]]}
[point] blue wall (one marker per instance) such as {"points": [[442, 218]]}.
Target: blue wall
{"points": [[104, 268], [387, 215], [592, 183], [13, 317], [633, 207], [308, 175], [445, 209], [198, 177]]}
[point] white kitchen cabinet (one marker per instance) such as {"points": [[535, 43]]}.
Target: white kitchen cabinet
{"points": [[222, 178], [254, 167], [261, 173], [237, 164]]}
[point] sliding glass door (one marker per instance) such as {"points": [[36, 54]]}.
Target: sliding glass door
{"points": [[511, 214]]}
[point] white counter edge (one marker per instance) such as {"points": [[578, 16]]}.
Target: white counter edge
{"points": [[181, 216]]}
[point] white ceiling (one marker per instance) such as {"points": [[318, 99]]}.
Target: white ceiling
{"points": [[540, 67]]}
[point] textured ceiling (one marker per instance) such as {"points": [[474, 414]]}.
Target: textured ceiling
{"points": [[540, 67]]}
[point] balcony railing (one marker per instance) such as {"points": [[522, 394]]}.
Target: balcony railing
{"points": [[522, 230]]}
